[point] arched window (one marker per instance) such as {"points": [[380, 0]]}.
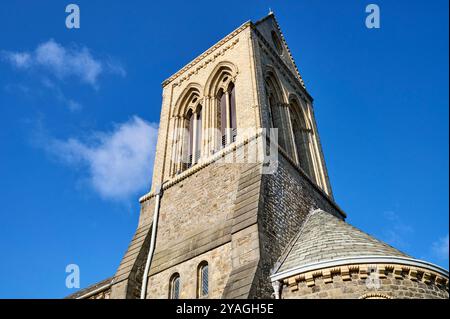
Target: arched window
{"points": [[203, 280], [194, 139], [175, 286], [188, 135], [190, 141], [276, 109], [226, 112], [302, 139], [221, 86], [277, 43]]}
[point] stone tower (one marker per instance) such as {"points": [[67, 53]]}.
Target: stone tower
{"points": [[221, 221]]}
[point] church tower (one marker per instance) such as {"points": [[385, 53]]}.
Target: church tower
{"points": [[241, 204]]}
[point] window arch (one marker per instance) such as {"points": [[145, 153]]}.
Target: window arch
{"points": [[203, 280], [277, 43], [277, 112], [187, 147], [375, 295], [302, 138], [226, 113], [221, 87], [175, 286]]}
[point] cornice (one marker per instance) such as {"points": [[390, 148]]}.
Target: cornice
{"points": [[400, 267], [206, 162], [363, 271]]}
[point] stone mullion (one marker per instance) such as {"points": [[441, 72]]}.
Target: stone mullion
{"points": [[290, 131], [194, 138], [214, 121], [181, 144], [175, 131], [227, 118], [205, 128]]}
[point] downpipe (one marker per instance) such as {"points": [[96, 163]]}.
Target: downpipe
{"points": [[152, 241]]}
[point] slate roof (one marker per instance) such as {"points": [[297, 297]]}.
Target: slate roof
{"points": [[324, 237]]}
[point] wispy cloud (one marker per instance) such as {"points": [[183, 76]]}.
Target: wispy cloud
{"points": [[396, 231], [70, 103], [117, 163], [63, 62], [440, 248], [21, 60]]}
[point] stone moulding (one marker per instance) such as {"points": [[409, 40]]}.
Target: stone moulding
{"points": [[217, 156], [229, 149], [375, 295], [400, 267], [205, 63]]}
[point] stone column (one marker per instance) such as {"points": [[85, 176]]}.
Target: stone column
{"points": [[290, 133], [214, 127], [194, 138], [175, 139], [181, 144], [228, 118], [205, 127]]}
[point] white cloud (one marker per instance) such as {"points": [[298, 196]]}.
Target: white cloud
{"points": [[118, 163], [71, 104], [396, 232], [63, 62], [440, 248], [17, 59]]}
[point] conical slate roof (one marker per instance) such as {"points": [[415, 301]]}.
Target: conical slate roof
{"points": [[324, 237]]}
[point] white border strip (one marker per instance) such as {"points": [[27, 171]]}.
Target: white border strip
{"points": [[359, 260]]}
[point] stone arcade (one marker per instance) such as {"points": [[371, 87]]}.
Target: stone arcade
{"points": [[230, 230]]}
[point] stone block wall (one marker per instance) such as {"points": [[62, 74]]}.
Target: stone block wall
{"points": [[354, 286], [219, 264], [288, 196]]}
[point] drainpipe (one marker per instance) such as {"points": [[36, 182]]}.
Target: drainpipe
{"points": [[276, 289], [152, 242]]}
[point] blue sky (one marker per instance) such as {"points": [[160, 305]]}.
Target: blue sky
{"points": [[79, 112]]}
